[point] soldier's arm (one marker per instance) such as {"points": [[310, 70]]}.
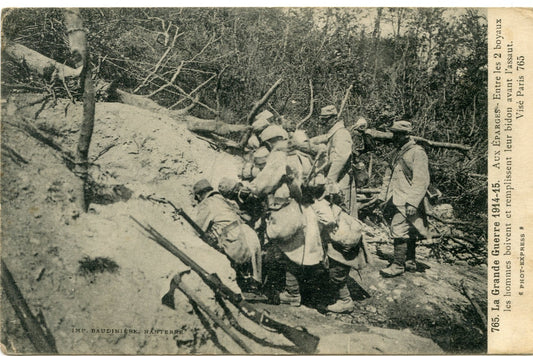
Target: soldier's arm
{"points": [[317, 140], [269, 177], [420, 182], [342, 149]]}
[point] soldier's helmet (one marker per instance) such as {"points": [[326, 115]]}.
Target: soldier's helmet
{"points": [[273, 131], [253, 142], [328, 111], [201, 186], [262, 121], [226, 185]]}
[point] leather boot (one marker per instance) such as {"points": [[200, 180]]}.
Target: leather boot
{"points": [[344, 303], [410, 263], [291, 294], [397, 266], [294, 300]]}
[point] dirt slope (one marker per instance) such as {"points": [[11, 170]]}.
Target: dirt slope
{"points": [[44, 238]]}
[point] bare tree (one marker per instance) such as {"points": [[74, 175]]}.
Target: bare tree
{"points": [[77, 38]]}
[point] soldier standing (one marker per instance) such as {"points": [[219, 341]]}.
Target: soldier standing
{"points": [[345, 249], [339, 152], [292, 227], [404, 188]]}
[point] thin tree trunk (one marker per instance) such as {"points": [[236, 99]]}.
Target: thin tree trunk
{"points": [[377, 23], [77, 38], [375, 36]]}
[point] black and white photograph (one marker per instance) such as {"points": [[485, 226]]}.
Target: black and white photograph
{"points": [[260, 180]]}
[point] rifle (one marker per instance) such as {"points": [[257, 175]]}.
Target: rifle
{"points": [[314, 170], [168, 300], [301, 338], [183, 214], [35, 326]]}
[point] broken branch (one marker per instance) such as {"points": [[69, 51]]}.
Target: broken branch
{"points": [[195, 100], [184, 93], [30, 129], [262, 101], [15, 156], [164, 86], [102, 152], [255, 109], [344, 100], [311, 105], [42, 339], [160, 61]]}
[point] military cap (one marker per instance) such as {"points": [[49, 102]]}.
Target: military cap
{"points": [[260, 155], [327, 111], [201, 186], [273, 131], [401, 126]]}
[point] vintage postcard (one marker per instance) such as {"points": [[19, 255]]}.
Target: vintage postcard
{"points": [[317, 180]]}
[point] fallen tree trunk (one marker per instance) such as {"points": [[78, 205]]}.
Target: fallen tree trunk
{"points": [[37, 62], [381, 135], [146, 103], [213, 126], [40, 64]]}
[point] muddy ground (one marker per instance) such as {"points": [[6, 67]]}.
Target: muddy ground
{"points": [[46, 239]]}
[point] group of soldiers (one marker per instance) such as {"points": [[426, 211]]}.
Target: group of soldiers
{"points": [[292, 209]]}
